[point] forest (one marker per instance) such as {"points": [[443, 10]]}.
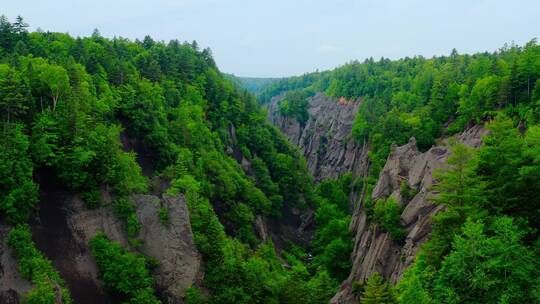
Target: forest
{"points": [[484, 247], [67, 102]]}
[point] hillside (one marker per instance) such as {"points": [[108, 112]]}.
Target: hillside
{"points": [[254, 85]]}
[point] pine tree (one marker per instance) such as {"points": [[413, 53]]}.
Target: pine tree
{"points": [[12, 102], [6, 33], [19, 26], [377, 291]]}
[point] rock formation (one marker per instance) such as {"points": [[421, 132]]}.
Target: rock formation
{"points": [[374, 250], [171, 243], [325, 139], [64, 227]]}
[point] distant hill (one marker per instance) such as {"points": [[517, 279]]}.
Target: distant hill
{"points": [[254, 85]]}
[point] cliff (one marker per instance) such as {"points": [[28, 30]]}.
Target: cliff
{"points": [[63, 229], [374, 250], [325, 139]]}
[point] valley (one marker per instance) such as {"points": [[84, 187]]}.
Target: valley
{"points": [[138, 172]]}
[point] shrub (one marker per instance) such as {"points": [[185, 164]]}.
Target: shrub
{"points": [[163, 215], [123, 272], [35, 267], [387, 213]]}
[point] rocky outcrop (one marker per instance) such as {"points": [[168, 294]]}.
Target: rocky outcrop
{"points": [[64, 227], [374, 250], [170, 243], [325, 139], [12, 284]]}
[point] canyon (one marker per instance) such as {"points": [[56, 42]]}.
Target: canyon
{"points": [[327, 144]]}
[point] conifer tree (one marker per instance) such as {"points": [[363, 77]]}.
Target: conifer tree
{"points": [[377, 291]]}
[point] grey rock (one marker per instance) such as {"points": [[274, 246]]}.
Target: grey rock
{"points": [[172, 244], [325, 139]]}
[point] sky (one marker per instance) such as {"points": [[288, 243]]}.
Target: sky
{"points": [[277, 38]]}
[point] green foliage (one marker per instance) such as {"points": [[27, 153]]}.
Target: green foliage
{"points": [[332, 245], [125, 209], [254, 85], [80, 108], [295, 104], [45, 140], [163, 215], [92, 198], [195, 296], [387, 213], [123, 273], [483, 247], [411, 288], [424, 97], [12, 94], [66, 104], [18, 192], [96, 157], [35, 267], [377, 291], [407, 193], [485, 268]]}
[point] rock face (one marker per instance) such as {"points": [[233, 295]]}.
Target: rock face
{"points": [[171, 243], [374, 250], [65, 226], [325, 139]]}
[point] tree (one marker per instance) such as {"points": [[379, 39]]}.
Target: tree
{"points": [[7, 36], [49, 286], [45, 139], [484, 96], [18, 192], [122, 271], [459, 186], [463, 193], [388, 214], [377, 291], [19, 26], [56, 80], [12, 95], [488, 268]]}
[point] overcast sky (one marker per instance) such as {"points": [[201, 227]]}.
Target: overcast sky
{"points": [[291, 37]]}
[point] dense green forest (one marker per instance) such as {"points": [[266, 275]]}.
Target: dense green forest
{"points": [[484, 247], [65, 102]]}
